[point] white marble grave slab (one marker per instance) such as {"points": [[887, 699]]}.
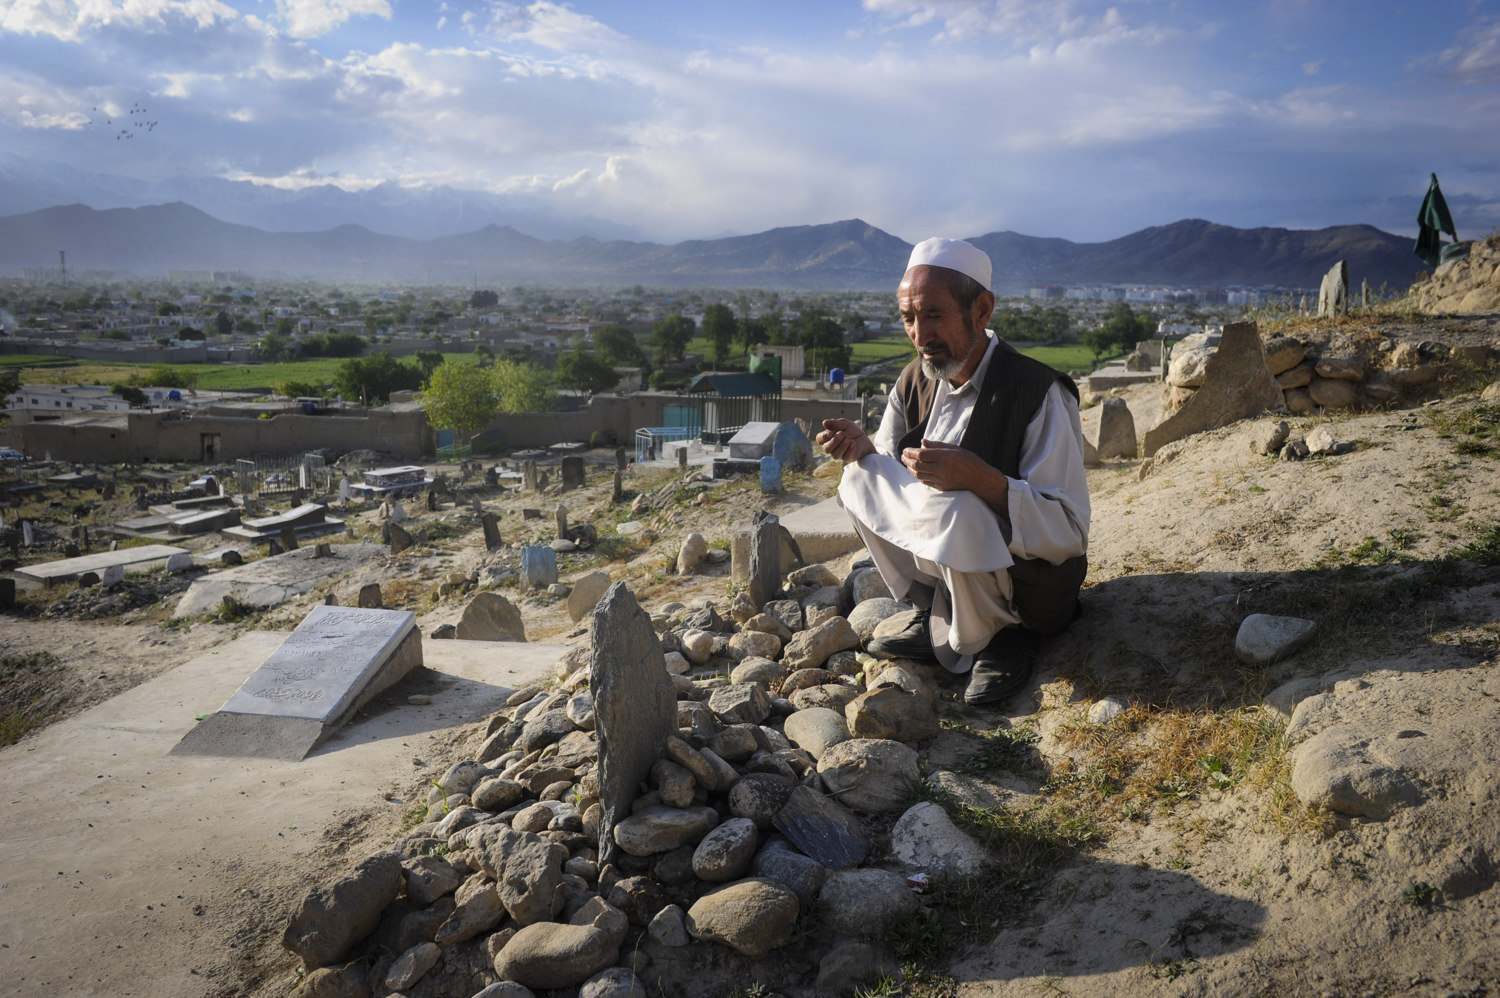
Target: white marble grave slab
{"points": [[753, 441]]}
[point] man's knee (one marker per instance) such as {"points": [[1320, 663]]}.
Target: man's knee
{"points": [[1046, 596]]}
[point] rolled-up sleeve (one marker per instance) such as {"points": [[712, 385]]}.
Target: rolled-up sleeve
{"points": [[1049, 504], [892, 426]]}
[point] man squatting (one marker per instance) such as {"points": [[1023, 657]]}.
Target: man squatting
{"points": [[971, 497]]}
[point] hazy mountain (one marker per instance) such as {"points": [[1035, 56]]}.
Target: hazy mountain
{"points": [[850, 254], [417, 213]]}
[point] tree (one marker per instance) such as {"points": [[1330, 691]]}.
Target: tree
{"points": [[189, 333], [616, 345], [749, 332], [429, 361], [130, 393], [460, 397], [484, 299], [273, 347], [719, 329], [1119, 333], [585, 372], [485, 354], [224, 323], [372, 379], [300, 389], [822, 338], [524, 387], [670, 337]]}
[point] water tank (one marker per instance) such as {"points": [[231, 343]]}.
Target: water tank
{"points": [[836, 376], [174, 396], [309, 408]]}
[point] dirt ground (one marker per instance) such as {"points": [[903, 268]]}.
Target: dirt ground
{"points": [[1226, 889]]}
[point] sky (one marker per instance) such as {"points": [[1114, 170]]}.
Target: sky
{"points": [[1081, 120]]}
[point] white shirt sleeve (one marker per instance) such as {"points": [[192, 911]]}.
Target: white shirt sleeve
{"points": [[1049, 503], [892, 426]]}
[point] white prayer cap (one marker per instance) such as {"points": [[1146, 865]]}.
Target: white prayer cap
{"points": [[955, 254]]}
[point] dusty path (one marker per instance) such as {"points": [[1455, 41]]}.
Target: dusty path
{"points": [[128, 871]]}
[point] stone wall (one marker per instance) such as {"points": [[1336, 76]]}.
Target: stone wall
{"points": [[1469, 285]]}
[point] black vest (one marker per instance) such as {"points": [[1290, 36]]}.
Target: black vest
{"points": [[1012, 391]]}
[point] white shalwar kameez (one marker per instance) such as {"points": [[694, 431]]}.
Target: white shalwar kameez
{"points": [[952, 540]]}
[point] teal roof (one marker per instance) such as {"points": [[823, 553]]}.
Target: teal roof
{"points": [[734, 384]]}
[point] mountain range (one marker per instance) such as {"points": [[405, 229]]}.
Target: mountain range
{"points": [[151, 240]]}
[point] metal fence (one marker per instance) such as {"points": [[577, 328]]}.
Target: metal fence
{"points": [[283, 474]]}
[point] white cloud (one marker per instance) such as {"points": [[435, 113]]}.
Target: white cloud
{"points": [[1312, 68], [70, 20], [1477, 59], [313, 18]]}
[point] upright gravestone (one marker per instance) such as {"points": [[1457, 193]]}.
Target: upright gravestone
{"points": [[109, 491], [791, 447], [491, 525], [369, 596], [7, 593], [1333, 296], [113, 575], [400, 538], [1116, 430], [573, 475], [682, 458], [765, 558], [181, 561], [490, 617], [618, 495], [335, 662], [528, 476], [770, 474], [562, 522], [538, 566], [289, 537], [27, 537], [635, 708], [344, 491], [619, 458], [432, 501], [491, 478]]}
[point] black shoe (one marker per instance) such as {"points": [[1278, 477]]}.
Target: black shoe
{"points": [[915, 642], [1003, 668]]}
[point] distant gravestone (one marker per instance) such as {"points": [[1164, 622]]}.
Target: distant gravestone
{"points": [[7, 593], [231, 558], [70, 550], [179, 562], [635, 707], [573, 473], [765, 558], [586, 593], [113, 575], [528, 513], [289, 537], [619, 458], [528, 476], [344, 491], [562, 522], [770, 474], [538, 566], [491, 525], [400, 538], [369, 596], [432, 501], [1333, 296], [682, 456], [618, 495], [109, 491], [88, 579], [491, 478], [27, 537], [1116, 430], [490, 617], [273, 548], [398, 512], [542, 481], [336, 661], [323, 550]]}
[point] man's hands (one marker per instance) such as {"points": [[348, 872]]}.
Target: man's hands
{"points": [[948, 467], [844, 441]]}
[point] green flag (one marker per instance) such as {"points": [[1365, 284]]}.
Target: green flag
{"points": [[1434, 220]]}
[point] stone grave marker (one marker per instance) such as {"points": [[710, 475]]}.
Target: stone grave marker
{"points": [[618, 495], [538, 566], [573, 473], [491, 525], [635, 708], [619, 458], [1333, 295], [528, 476], [113, 575], [531, 514], [400, 538], [765, 558], [335, 662], [369, 596], [682, 458], [770, 474], [7, 593], [562, 522], [586, 593], [289, 537], [180, 562]]}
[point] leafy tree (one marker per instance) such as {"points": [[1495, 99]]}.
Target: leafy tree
{"points": [[484, 299], [460, 397], [245, 324], [485, 354], [333, 345], [130, 393], [224, 323], [1119, 333], [164, 376], [822, 338], [116, 334], [524, 387], [719, 328], [670, 337], [284, 326], [429, 361], [372, 379], [616, 345], [273, 347], [168, 308], [585, 372], [749, 332], [189, 333]]}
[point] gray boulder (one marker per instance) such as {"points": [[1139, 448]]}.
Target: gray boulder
{"points": [[491, 617], [809, 649], [751, 916], [858, 902], [870, 774], [658, 829], [333, 917], [925, 838], [1264, 639], [725, 852], [553, 955]]}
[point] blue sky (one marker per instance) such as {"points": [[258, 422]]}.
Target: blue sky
{"points": [[1075, 119]]}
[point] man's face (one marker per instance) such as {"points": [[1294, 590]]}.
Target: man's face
{"points": [[947, 338]]}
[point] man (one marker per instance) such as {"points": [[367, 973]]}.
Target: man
{"points": [[971, 497]]}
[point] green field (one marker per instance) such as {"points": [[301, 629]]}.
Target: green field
{"points": [[211, 377]]}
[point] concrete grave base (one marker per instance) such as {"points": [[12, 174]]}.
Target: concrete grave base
{"points": [[312, 685]]}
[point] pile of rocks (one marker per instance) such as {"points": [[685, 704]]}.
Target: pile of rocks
{"points": [[1470, 285], [748, 820], [1336, 373]]}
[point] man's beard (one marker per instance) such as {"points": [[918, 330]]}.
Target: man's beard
{"points": [[946, 369]]}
